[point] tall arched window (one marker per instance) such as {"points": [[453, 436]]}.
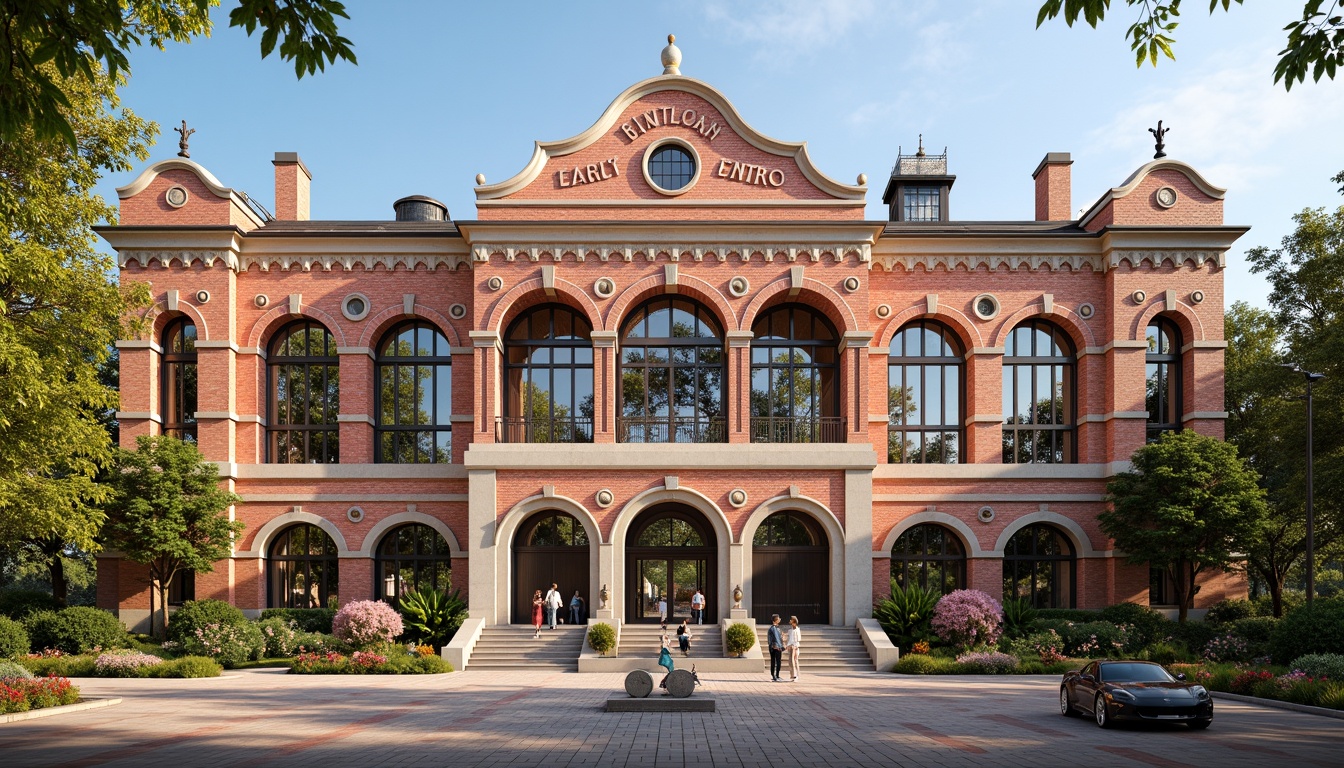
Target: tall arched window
{"points": [[1163, 385], [924, 384], [415, 396], [179, 379], [1039, 564], [931, 556], [302, 568], [672, 374], [795, 392], [410, 558], [548, 373], [305, 387], [1038, 395]]}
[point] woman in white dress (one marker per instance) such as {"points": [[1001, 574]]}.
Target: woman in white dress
{"points": [[793, 643]]}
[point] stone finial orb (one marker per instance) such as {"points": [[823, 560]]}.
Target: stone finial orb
{"points": [[671, 57], [863, 179], [480, 178]]}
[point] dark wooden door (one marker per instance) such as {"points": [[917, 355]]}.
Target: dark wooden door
{"points": [[538, 567], [791, 581]]}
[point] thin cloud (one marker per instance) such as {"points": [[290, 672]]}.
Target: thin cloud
{"points": [[792, 25]]}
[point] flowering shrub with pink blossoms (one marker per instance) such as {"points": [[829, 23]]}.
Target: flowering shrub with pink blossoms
{"points": [[127, 663], [228, 644], [968, 618], [366, 623]]}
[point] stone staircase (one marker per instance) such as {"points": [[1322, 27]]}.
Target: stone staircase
{"points": [[825, 649], [511, 646], [641, 641]]}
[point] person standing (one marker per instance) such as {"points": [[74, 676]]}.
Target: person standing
{"points": [[684, 637], [662, 611], [553, 602], [576, 609], [537, 606], [794, 642], [775, 640], [665, 657], [698, 606]]}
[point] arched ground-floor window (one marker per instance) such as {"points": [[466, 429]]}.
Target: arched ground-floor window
{"points": [[1039, 564], [302, 569], [410, 558]]}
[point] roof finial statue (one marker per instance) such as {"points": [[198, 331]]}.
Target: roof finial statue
{"points": [[671, 57], [1158, 133], [182, 143], [920, 153]]}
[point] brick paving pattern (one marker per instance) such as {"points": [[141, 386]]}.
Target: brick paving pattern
{"points": [[519, 718]]}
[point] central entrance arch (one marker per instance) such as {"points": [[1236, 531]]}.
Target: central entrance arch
{"points": [[791, 569], [550, 547], [671, 551]]}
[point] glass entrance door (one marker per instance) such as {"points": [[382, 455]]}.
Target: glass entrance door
{"points": [[672, 579]]}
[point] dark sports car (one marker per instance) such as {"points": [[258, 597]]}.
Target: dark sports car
{"points": [[1134, 690]]}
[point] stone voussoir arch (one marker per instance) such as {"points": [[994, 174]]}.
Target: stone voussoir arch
{"points": [[379, 324], [965, 330], [261, 542], [813, 293], [933, 517], [694, 499], [159, 316], [1072, 324], [504, 308], [508, 525], [691, 287], [278, 317], [1183, 314], [835, 533], [369, 546], [1082, 544]]}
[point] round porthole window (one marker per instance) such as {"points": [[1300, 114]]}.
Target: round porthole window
{"points": [[671, 166], [176, 196], [986, 306], [355, 306]]}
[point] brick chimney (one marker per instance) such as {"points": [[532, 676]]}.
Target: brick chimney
{"points": [[292, 182], [1053, 193]]}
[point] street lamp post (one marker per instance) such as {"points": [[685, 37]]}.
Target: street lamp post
{"points": [[1311, 378]]}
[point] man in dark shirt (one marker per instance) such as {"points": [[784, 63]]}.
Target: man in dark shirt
{"points": [[775, 639]]}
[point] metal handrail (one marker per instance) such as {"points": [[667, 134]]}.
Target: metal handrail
{"points": [[519, 429], [789, 429], [671, 430]]}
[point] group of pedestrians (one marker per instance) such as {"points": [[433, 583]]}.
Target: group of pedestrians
{"points": [[782, 641], [545, 607]]}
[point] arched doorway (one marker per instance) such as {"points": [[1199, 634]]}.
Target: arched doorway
{"points": [[790, 569], [551, 547], [670, 553]]}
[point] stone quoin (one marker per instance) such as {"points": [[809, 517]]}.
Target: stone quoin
{"points": [[669, 355]]}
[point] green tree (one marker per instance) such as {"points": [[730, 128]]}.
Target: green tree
{"points": [[1189, 504], [1315, 40], [59, 315], [167, 512], [51, 45]]}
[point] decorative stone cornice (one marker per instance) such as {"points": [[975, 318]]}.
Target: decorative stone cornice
{"points": [[326, 263], [1177, 258], [483, 252], [992, 261], [183, 258]]}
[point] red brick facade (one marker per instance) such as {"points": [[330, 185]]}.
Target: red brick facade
{"points": [[758, 228]]}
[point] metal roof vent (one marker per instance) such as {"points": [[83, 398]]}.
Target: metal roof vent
{"points": [[420, 208]]}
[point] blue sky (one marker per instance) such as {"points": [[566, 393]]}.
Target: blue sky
{"points": [[446, 90]]}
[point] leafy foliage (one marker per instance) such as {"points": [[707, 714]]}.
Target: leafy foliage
{"points": [[168, 511], [1018, 613], [1188, 505], [738, 639], [195, 614], [1149, 625], [601, 638], [431, 615], [907, 614], [987, 663], [54, 45], [75, 630], [968, 618], [1228, 611], [1315, 41], [366, 623], [1329, 665], [13, 639], [228, 644], [307, 619], [1315, 628], [18, 603]]}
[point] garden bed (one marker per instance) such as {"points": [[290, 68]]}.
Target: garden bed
{"points": [[60, 709]]}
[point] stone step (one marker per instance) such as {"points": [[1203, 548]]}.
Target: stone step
{"points": [[512, 646]]}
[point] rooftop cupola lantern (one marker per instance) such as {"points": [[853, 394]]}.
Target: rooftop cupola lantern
{"points": [[671, 57], [918, 187]]}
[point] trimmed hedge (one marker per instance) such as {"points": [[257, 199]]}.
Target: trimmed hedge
{"points": [[75, 630], [1318, 628], [1228, 611], [1067, 614], [13, 639], [1151, 625], [308, 619], [195, 614]]}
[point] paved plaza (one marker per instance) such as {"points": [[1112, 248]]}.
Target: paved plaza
{"points": [[516, 718]]}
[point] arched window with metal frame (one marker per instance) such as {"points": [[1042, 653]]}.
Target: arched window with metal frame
{"points": [[1162, 390], [410, 558], [548, 377], [672, 374], [302, 568], [179, 379], [305, 386], [1039, 564], [795, 375], [414, 396], [1038, 395], [924, 395], [930, 556]]}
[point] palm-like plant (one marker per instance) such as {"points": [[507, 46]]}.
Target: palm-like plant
{"points": [[432, 616], [906, 616]]}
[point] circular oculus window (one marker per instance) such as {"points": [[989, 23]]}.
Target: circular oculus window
{"points": [[671, 166], [1166, 197], [355, 306], [985, 306], [176, 196]]}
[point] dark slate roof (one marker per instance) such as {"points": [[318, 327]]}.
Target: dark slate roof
{"points": [[992, 228], [339, 228]]}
